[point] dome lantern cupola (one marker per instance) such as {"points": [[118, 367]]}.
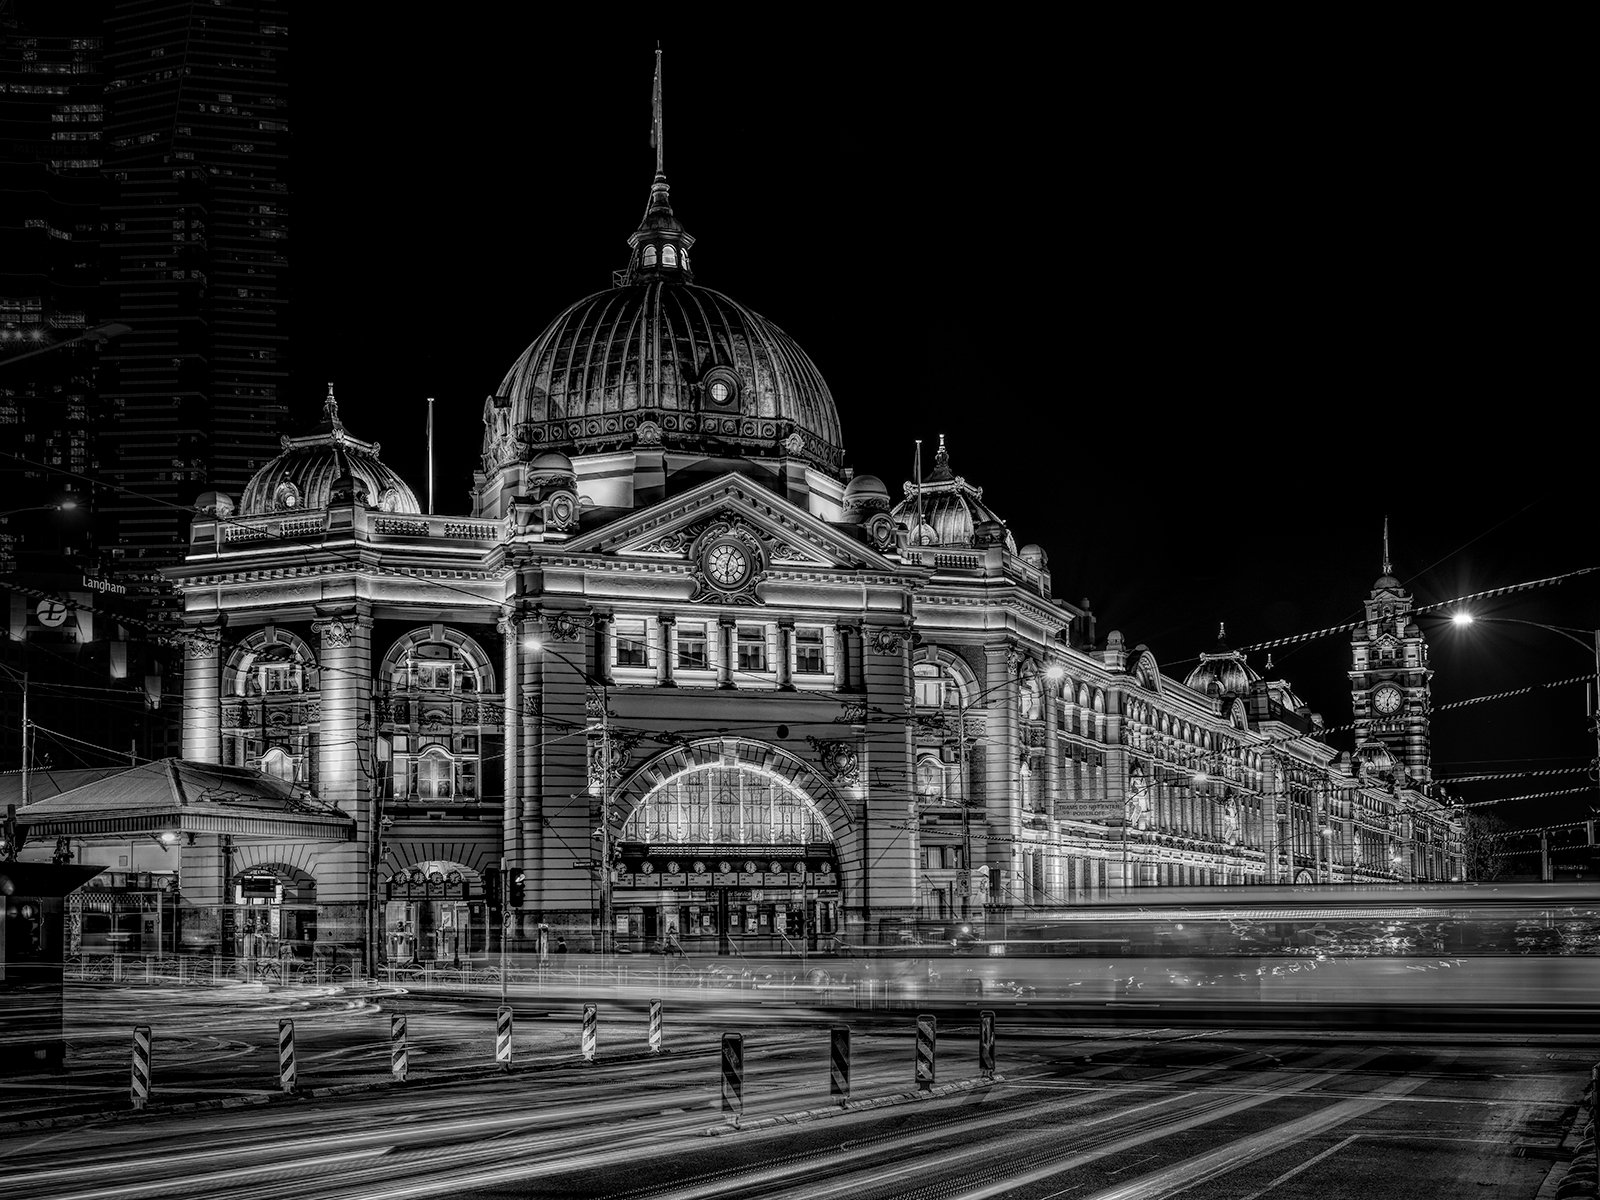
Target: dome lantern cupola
{"points": [[945, 510], [660, 244], [1222, 672]]}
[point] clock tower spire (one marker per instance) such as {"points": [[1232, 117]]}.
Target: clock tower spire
{"points": [[1389, 679]]}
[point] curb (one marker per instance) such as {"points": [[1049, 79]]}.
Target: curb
{"points": [[849, 1106], [1579, 1177], [445, 1078]]}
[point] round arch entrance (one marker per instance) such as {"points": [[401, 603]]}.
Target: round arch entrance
{"points": [[434, 911], [728, 846], [273, 914]]}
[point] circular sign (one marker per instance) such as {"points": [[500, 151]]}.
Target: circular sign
{"points": [[724, 866], [750, 867], [649, 868], [776, 866], [52, 614], [827, 868], [699, 867]]}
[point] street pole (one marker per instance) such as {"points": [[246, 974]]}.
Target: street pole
{"points": [[505, 921], [605, 822], [966, 811]]}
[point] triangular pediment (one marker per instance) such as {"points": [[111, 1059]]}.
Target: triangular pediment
{"points": [[791, 538]]}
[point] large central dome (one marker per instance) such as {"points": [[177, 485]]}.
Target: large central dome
{"points": [[660, 361]]}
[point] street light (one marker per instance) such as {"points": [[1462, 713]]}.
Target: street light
{"points": [[537, 645], [64, 506], [1582, 637], [98, 335]]}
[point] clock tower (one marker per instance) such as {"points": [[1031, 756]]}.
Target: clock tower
{"points": [[1389, 676]]}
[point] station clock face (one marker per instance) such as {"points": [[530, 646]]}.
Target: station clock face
{"points": [[727, 564], [1387, 699]]}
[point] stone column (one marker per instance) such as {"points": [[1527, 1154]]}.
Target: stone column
{"points": [[1052, 750], [529, 858], [202, 695], [665, 622], [1001, 786], [345, 747], [511, 732], [725, 656], [785, 652]]}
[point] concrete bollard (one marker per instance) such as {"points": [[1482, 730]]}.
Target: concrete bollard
{"points": [[927, 1037], [839, 1064], [140, 1085], [397, 1047], [286, 1073], [733, 1074], [502, 1037], [986, 1044], [591, 1022]]}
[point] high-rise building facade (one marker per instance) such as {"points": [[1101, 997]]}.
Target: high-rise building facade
{"points": [[196, 152]]}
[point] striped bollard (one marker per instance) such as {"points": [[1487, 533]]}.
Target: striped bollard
{"points": [[140, 1089], [397, 1046], [986, 1044], [655, 1027], [733, 1074], [286, 1073], [839, 1064], [502, 1037], [927, 1034], [591, 1021]]}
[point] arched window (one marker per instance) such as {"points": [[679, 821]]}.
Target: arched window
{"points": [[935, 686], [649, 258], [726, 804], [278, 763], [930, 777], [433, 775], [669, 255]]}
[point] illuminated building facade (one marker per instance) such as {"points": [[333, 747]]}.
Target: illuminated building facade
{"points": [[680, 676]]}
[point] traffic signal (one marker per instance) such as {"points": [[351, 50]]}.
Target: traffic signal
{"points": [[514, 888]]}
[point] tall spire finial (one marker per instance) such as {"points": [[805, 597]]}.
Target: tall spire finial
{"points": [[941, 462], [1386, 568], [656, 139], [330, 406]]}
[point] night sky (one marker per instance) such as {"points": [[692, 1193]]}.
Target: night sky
{"points": [[1196, 307]]}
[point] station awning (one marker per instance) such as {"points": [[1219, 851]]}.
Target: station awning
{"points": [[177, 796]]}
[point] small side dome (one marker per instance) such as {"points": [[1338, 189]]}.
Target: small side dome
{"points": [[552, 461], [1035, 556], [865, 494], [214, 504], [1222, 672]]}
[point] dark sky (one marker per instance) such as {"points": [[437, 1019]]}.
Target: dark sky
{"points": [[1196, 307]]}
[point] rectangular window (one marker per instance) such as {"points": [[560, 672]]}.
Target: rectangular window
{"points": [[808, 655], [752, 648], [277, 678], [632, 648], [692, 647]]}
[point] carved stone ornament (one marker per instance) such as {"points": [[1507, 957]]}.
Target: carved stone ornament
{"points": [[335, 632], [1230, 822], [839, 760], [885, 641], [562, 626], [648, 433], [235, 716], [730, 558], [794, 443], [676, 542], [202, 644], [855, 713], [881, 529]]}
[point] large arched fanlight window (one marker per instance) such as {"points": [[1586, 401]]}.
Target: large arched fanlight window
{"points": [[726, 804]]}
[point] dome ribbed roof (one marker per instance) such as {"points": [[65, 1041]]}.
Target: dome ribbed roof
{"points": [[303, 476], [660, 361], [953, 512], [713, 376], [1222, 672]]}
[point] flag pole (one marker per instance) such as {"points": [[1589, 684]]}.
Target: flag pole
{"points": [[430, 456]]}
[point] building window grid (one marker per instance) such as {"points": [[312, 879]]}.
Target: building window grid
{"points": [[734, 805]]}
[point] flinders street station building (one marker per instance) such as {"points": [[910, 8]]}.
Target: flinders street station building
{"points": [[680, 676]]}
